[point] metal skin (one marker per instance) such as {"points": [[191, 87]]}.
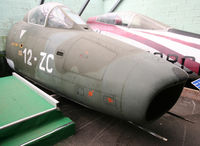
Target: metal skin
{"points": [[96, 71], [178, 47]]}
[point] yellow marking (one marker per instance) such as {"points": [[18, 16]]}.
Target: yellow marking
{"points": [[20, 52], [16, 44]]}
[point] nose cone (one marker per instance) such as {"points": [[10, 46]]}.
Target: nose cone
{"points": [[152, 88]]}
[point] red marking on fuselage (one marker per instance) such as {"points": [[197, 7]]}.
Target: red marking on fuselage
{"points": [[110, 100], [197, 46], [90, 93], [192, 65]]}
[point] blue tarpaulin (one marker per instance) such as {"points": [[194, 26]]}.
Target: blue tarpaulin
{"points": [[196, 83]]}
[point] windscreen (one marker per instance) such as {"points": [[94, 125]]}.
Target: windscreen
{"points": [[143, 22], [57, 19], [39, 14], [112, 18], [73, 16], [131, 20]]}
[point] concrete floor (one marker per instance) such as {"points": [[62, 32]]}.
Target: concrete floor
{"points": [[94, 128]]}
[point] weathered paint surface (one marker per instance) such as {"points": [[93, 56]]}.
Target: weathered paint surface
{"points": [[69, 62]]}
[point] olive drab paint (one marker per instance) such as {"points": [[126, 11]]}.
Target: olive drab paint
{"points": [[94, 70]]}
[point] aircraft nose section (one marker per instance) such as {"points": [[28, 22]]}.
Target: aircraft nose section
{"points": [[152, 88]]}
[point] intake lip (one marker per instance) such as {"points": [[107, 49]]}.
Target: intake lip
{"points": [[163, 101], [167, 96]]}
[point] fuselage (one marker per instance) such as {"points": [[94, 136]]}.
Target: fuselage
{"points": [[91, 69], [95, 70]]}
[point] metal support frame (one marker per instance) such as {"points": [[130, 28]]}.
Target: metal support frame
{"points": [[115, 6], [83, 8], [42, 2]]}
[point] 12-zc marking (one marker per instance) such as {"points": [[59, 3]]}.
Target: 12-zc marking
{"points": [[45, 58], [44, 63], [29, 55]]}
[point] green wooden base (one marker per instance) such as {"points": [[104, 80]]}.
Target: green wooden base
{"points": [[46, 130], [27, 118]]}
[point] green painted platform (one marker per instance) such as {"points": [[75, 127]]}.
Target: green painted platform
{"points": [[19, 101], [29, 116]]}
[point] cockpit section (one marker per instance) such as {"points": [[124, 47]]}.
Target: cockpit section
{"points": [[57, 19], [131, 20], [53, 15]]}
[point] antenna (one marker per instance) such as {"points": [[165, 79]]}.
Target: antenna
{"points": [[84, 6], [115, 6]]}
